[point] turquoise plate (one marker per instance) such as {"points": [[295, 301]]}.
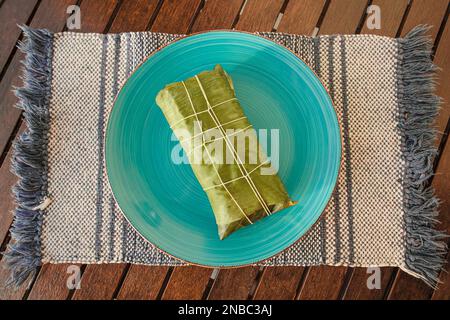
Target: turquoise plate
{"points": [[165, 203]]}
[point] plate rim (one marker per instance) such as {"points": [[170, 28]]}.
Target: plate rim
{"points": [[258, 35]]}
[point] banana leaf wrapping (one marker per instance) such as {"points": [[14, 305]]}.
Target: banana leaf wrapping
{"points": [[222, 149]]}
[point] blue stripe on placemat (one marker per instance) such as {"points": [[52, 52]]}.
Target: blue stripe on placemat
{"points": [[336, 193], [100, 155], [347, 151]]}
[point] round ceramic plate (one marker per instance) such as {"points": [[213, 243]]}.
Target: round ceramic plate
{"points": [[164, 202]]}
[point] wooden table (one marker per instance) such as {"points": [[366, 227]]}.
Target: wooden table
{"points": [[124, 281]]}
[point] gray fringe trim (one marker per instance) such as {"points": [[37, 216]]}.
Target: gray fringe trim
{"points": [[29, 161], [425, 250]]}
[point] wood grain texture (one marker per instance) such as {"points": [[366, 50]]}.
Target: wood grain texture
{"points": [[233, 283], [176, 16], [441, 184], [8, 180], [357, 287], [443, 290], [323, 283], [442, 59], [441, 181], [282, 282], [391, 17], [12, 13], [237, 283], [8, 293], [217, 14], [99, 282], [326, 282], [301, 16], [259, 15], [6, 216], [343, 16], [431, 13], [90, 9], [142, 283], [54, 287], [48, 15], [96, 14], [133, 16], [187, 283], [279, 283], [51, 14]]}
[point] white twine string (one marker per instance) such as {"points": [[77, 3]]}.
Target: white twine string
{"points": [[235, 179], [210, 158], [233, 151], [217, 139], [207, 130], [195, 114]]}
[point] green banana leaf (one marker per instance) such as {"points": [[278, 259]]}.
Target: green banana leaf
{"points": [[222, 149]]}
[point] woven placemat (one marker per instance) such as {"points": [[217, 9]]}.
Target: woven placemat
{"points": [[381, 214]]}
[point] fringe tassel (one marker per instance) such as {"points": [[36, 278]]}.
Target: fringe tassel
{"points": [[425, 250], [29, 161]]}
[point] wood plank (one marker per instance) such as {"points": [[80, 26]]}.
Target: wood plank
{"points": [[431, 13], [134, 16], [357, 288], [217, 14], [12, 13], [237, 283], [7, 206], [92, 21], [442, 59], [407, 287], [323, 283], [142, 282], [279, 283], [99, 281], [6, 198], [443, 290], [10, 293], [259, 15], [51, 14], [54, 287], [187, 283], [128, 17], [441, 183], [302, 16], [233, 283], [96, 15], [343, 16], [392, 13], [173, 17], [391, 17], [176, 16]]}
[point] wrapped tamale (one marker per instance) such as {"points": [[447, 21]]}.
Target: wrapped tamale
{"points": [[222, 149]]}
